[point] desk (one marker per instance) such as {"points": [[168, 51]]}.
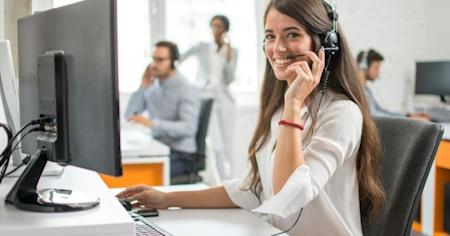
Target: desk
{"points": [[109, 218], [207, 222], [217, 222], [432, 202], [144, 160]]}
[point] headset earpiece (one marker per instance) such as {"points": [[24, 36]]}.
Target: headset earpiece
{"points": [[330, 40], [363, 64]]}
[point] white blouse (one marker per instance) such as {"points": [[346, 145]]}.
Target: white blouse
{"points": [[326, 186]]}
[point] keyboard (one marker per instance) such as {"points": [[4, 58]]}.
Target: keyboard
{"points": [[145, 227], [439, 114]]}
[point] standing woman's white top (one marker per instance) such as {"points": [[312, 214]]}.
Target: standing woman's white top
{"points": [[326, 186], [215, 75]]}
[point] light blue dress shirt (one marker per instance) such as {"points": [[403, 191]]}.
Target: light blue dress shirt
{"points": [[375, 108], [174, 107]]}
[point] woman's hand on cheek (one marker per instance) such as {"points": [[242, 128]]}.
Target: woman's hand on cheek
{"points": [[306, 79]]}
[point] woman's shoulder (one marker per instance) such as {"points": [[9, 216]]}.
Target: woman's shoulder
{"points": [[338, 105], [336, 99]]}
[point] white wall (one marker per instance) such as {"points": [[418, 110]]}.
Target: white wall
{"points": [[397, 30], [41, 5], [404, 31], [437, 30]]}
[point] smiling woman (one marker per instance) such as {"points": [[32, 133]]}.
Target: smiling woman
{"points": [[308, 165]]}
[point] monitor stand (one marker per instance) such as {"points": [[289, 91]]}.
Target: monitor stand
{"points": [[24, 194], [51, 169]]}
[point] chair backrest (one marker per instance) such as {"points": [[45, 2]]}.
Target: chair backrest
{"points": [[202, 130], [408, 148]]}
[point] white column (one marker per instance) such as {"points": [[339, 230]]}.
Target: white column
{"points": [[2, 19], [260, 6], [157, 20]]}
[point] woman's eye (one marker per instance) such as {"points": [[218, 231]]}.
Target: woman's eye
{"points": [[292, 35], [269, 37]]}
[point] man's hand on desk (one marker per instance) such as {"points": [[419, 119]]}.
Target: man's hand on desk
{"points": [[144, 196], [140, 119], [422, 116]]}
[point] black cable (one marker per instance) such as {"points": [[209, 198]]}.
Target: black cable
{"points": [[11, 150], [324, 80], [4, 158], [15, 148], [40, 121], [6, 154], [8, 132], [23, 136], [290, 228], [24, 162]]}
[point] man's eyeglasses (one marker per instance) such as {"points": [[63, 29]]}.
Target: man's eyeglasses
{"points": [[160, 59]]}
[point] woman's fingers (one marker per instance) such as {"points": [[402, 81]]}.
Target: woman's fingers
{"points": [[318, 62], [299, 72], [139, 197], [131, 191], [305, 67]]}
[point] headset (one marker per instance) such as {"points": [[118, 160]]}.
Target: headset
{"points": [[330, 39], [330, 43], [174, 55], [363, 63]]}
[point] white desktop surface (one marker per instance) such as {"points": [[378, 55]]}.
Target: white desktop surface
{"points": [[136, 141], [139, 147], [109, 218], [446, 135], [217, 222], [207, 222]]}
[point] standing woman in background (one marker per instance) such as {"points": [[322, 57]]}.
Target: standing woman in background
{"points": [[315, 152], [217, 67]]}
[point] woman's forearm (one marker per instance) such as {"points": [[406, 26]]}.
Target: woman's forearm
{"points": [[288, 152], [209, 198]]}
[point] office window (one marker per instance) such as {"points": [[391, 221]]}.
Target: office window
{"points": [[134, 42], [60, 3], [187, 23]]}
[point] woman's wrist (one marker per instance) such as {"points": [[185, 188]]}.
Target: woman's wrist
{"points": [[291, 113], [294, 103], [169, 199]]}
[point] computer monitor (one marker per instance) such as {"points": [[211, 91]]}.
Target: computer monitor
{"points": [[68, 75], [433, 78], [9, 107]]}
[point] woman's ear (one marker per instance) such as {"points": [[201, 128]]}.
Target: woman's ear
{"points": [[316, 44]]}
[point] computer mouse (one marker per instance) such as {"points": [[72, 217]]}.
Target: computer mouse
{"points": [[126, 204]]}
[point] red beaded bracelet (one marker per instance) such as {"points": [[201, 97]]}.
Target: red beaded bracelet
{"points": [[285, 122]]}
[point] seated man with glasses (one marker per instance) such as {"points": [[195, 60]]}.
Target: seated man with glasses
{"points": [[173, 105]]}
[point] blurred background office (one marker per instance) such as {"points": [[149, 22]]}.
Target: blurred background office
{"points": [[405, 31]]}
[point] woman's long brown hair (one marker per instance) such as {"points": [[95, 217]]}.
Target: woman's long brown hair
{"points": [[344, 79]]}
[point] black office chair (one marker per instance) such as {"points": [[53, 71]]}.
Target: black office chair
{"points": [[200, 156], [408, 149]]}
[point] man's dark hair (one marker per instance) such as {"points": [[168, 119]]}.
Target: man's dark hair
{"points": [[370, 57], [224, 19], [173, 50]]}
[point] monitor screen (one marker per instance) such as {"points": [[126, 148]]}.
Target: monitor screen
{"points": [[433, 78], [86, 34]]}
